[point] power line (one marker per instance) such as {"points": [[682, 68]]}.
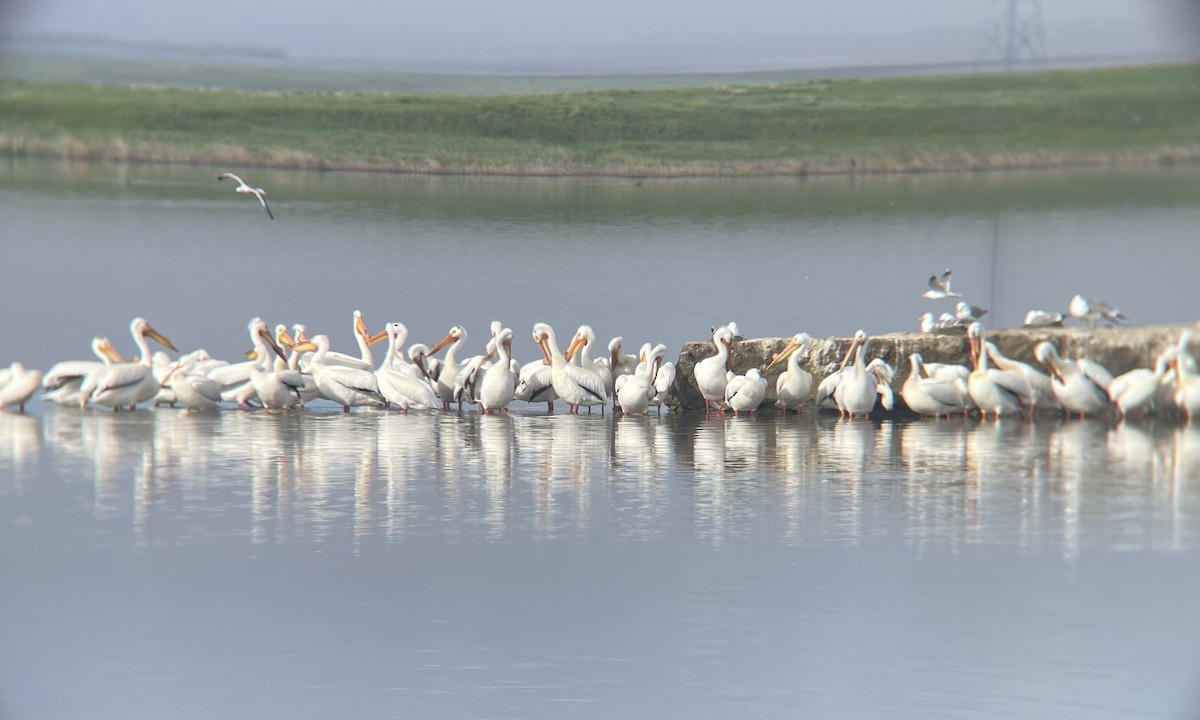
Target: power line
{"points": [[1014, 33]]}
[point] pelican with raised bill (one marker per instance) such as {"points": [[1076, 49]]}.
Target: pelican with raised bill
{"points": [[257, 192], [127, 384], [939, 287]]}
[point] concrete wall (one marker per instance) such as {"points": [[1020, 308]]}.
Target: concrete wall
{"points": [[1119, 349]]}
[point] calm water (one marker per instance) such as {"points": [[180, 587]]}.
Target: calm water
{"points": [[443, 565]]}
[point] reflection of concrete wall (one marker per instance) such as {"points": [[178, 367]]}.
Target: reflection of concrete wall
{"points": [[1119, 349]]}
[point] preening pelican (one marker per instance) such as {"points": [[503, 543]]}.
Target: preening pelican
{"points": [[278, 388], [17, 385], [450, 367], [828, 386], [63, 382], [193, 390], [535, 381], [744, 393], [1078, 387], [939, 287], [635, 391], [573, 384], [346, 386], [794, 385], [1039, 382], [663, 376], [619, 363], [131, 383], [402, 384], [711, 371], [582, 342], [255, 191], [927, 395], [1187, 382], [857, 389], [499, 381], [1138, 389], [997, 391]]}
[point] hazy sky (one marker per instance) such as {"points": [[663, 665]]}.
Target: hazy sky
{"points": [[715, 32]]}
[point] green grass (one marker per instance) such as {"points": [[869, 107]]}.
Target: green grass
{"points": [[1056, 118]]}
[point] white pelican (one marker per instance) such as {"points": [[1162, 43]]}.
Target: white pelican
{"points": [[583, 340], [365, 359], [403, 385], [470, 374], [794, 385], [1091, 311], [966, 314], [344, 385], [710, 372], [499, 383], [927, 395], [535, 381], [999, 392], [828, 385], [131, 383], [1187, 382], [18, 385], [278, 388], [193, 390], [857, 390], [430, 368], [1137, 389], [663, 377], [1078, 388], [62, 383], [939, 287], [635, 391], [1041, 318], [573, 384], [255, 191], [745, 392], [619, 363], [1039, 382], [308, 387], [450, 367]]}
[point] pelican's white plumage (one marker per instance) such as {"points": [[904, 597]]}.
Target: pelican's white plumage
{"points": [[999, 392], [794, 385], [128, 384], [455, 338], [1137, 389], [857, 388], [193, 390], [744, 393], [573, 384], [928, 395], [499, 383], [1080, 389], [348, 387], [584, 338], [402, 384], [64, 381], [17, 385], [711, 371], [1041, 389]]}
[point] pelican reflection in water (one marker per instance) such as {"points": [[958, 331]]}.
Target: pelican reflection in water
{"points": [[301, 479]]}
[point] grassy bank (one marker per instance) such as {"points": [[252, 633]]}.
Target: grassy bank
{"points": [[1060, 118]]}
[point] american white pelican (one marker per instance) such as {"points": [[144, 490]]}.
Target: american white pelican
{"points": [[344, 385], [1042, 390], [966, 314], [499, 383], [858, 388], [62, 383], [535, 381], [278, 388], [573, 384], [470, 375], [927, 395], [255, 191], [582, 342], [1187, 382], [18, 385], [999, 392], [939, 287], [744, 393], [365, 359], [635, 391], [308, 386], [794, 385], [620, 364], [663, 376], [193, 390], [1041, 318], [403, 385], [711, 371], [1077, 387], [1138, 389], [131, 383], [450, 366], [828, 385], [1091, 311]]}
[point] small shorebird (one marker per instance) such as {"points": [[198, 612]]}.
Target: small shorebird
{"points": [[939, 287], [244, 188]]}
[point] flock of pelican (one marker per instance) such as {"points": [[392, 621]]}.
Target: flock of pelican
{"points": [[286, 370]]}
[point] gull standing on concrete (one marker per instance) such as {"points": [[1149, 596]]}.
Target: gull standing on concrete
{"points": [[966, 314], [255, 191], [1091, 311], [1041, 318]]}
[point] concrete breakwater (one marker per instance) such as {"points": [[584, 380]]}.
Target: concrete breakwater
{"points": [[1119, 349]]}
